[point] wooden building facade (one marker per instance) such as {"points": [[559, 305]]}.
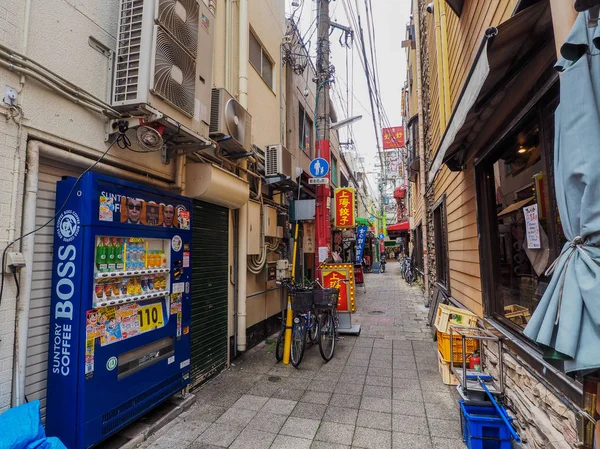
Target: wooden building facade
{"points": [[479, 109]]}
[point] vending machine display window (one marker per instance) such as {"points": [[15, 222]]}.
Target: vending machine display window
{"points": [[130, 269]]}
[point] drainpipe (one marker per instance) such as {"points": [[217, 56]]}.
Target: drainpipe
{"points": [[180, 171], [422, 169], [563, 18], [439, 64], [445, 72], [244, 31], [228, 38], [26, 22], [23, 303], [281, 134]]}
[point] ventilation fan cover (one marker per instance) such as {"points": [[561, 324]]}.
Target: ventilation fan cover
{"points": [[174, 73], [180, 19], [235, 120]]}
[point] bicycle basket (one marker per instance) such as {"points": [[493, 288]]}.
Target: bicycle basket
{"points": [[302, 300], [326, 298]]}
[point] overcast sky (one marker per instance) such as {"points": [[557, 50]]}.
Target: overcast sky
{"points": [[390, 18]]}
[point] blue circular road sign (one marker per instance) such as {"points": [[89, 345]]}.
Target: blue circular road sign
{"points": [[319, 167]]}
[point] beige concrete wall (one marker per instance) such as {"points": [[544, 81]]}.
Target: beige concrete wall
{"points": [[267, 22]]}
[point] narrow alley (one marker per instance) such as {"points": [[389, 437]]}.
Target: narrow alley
{"points": [[381, 390]]}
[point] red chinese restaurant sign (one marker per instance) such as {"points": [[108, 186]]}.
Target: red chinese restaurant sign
{"points": [[344, 208], [393, 137]]}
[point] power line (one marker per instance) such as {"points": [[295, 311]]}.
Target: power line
{"points": [[372, 78]]}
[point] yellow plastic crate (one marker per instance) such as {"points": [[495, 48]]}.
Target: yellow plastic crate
{"points": [[453, 316], [444, 368], [443, 340]]}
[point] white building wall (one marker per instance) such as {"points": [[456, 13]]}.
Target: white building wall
{"points": [[11, 25], [8, 145]]}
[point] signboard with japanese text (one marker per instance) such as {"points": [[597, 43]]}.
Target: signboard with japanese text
{"points": [[391, 159], [393, 137], [308, 242], [361, 238], [345, 216], [341, 276]]}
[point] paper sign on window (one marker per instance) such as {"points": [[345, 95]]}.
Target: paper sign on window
{"points": [[532, 227]]}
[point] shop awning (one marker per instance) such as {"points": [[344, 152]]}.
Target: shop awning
{"points": [[515, 207], [509, 62], [399, 227], [362, 222]]}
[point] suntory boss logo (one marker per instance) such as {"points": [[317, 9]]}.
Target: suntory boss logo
{"points": [[67, 229]]}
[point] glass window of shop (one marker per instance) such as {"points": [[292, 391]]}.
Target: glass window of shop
{"points": [[334, 171], [305, 127], [522, 233]]}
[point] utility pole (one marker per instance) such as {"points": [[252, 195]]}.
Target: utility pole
{"points": [[323, 204]]}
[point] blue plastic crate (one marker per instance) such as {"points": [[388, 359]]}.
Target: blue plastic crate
{"points": [[483, 428]]}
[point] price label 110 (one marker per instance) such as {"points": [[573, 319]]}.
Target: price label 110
{"points": [[151, 317]]}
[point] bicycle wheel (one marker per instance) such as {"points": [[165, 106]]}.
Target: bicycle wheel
{"points": [[313, 325], [298, 341], [410, 277], [279, 344], [326, 335]]}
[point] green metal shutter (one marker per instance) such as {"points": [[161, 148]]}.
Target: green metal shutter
{"points": [[210, 244]]}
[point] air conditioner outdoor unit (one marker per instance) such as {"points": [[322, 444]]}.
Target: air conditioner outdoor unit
{"points": [[278, 161], [230, 123], [164, 59]]}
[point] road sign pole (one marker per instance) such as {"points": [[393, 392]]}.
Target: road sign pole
{"points": [[322, 212]]}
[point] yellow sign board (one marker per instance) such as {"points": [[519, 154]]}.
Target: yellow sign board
{"points": [[151, 317]]}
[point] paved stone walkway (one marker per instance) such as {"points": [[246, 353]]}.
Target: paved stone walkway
{"points": [[382, 389]]}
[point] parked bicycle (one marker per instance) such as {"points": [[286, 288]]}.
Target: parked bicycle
{"points": [[325, 302], [315, 320], [407, 270], [304, 325]]}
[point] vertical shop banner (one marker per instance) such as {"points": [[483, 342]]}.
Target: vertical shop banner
{"points": [[391, 159], [308, 240], [361, 238], [344, 208], [393, 137]]}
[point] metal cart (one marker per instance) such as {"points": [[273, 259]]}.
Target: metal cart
{"points": [[469, 386]]}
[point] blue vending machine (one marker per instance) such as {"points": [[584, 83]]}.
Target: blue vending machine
{"points": [[120, 306]]}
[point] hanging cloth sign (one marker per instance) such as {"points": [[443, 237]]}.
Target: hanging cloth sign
{"points": [[361, 237]]}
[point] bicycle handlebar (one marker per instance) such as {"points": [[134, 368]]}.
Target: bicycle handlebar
{"points": [[290, 284]]}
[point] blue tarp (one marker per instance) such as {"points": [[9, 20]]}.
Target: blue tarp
{"points": [[21, 428], [567, 319]]}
